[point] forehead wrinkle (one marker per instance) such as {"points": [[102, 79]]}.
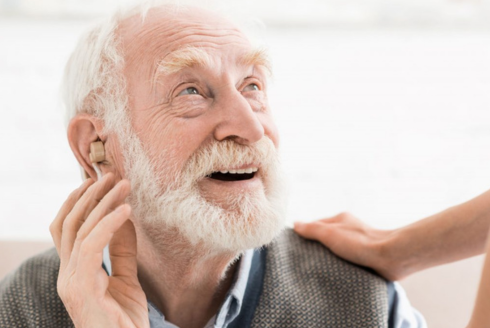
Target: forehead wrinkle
{"points": [[199, 38], [167, 23], [167, 30]]}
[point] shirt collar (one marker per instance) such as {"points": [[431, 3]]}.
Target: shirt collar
{"points": [[233, 302], [231, 306]]}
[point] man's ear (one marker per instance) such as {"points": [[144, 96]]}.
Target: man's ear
{"points": [[82, 131]]}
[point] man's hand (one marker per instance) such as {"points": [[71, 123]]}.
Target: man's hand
{"points": [[349, 238], [93, 216]]}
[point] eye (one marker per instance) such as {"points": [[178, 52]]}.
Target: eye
{"points": [[251, 87], [189, 91]]}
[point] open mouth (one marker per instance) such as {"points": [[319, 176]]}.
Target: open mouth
{"points": [[234, 175]]}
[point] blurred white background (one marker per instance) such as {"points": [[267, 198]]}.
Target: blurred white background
{"points": [[383, 107]]}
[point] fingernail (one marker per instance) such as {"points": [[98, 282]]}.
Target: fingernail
{"points": [[120, 208]]}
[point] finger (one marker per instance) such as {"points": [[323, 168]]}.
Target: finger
{"points": [[115, 197], [91, 249], [339, 218], [57, 224], [122, 249], [108, 203], [80, 212], [313, 230]]}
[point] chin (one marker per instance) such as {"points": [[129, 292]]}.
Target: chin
{"points": [[246, 221], [237, 223]]}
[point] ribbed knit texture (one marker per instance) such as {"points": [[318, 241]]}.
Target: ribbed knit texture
{"points": [[305, 285], [28, 296]]}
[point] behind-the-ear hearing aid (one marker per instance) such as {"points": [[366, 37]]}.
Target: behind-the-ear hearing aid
{"points": [[97, 155]]}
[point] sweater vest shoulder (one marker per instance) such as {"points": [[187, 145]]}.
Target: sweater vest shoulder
{"points": [[306, 285], [28, 296]]}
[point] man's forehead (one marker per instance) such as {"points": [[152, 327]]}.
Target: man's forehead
{"points": [[164, 26], [171, 34]]}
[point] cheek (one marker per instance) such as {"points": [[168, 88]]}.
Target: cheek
{"points": [[270, 128], [258, 102], [273, 133], [169, 146], [152, 129], [189, 106]]}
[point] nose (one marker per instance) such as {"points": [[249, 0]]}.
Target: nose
{"points": [[238, 121]]}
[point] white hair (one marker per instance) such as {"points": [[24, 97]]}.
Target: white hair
{"points": [[93, 80]]}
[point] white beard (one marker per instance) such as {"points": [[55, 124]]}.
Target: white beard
{"points": [[251, 219]]}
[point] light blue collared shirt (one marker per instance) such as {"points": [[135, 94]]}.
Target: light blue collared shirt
{"points": [[404, 315], [231, 306]]}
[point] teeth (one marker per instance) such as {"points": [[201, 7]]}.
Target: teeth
{"points": [[241, 171]]}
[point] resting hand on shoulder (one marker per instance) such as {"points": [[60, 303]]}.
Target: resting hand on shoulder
{"points": [[350, 238]]}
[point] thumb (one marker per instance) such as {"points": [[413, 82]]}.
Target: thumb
{"points": [[313, 230]]}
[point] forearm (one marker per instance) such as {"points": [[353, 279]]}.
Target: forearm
{"points": [[481, 315], [454, 234]]}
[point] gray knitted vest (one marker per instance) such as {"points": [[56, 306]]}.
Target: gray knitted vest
{"points": [[304, 285]]}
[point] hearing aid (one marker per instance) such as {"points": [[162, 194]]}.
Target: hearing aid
{"points": [[97, 152], [97, 155]]}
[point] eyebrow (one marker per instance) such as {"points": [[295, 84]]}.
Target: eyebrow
{"points": [[183, 58], [194, 56], [257, 57]]}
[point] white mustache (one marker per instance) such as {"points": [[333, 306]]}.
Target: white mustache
{"points": [[228, 153]]}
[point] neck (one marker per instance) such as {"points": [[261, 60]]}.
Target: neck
{"points": [[187, 283]]}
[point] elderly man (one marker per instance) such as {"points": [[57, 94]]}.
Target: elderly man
{"points": [[170, 120]]}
